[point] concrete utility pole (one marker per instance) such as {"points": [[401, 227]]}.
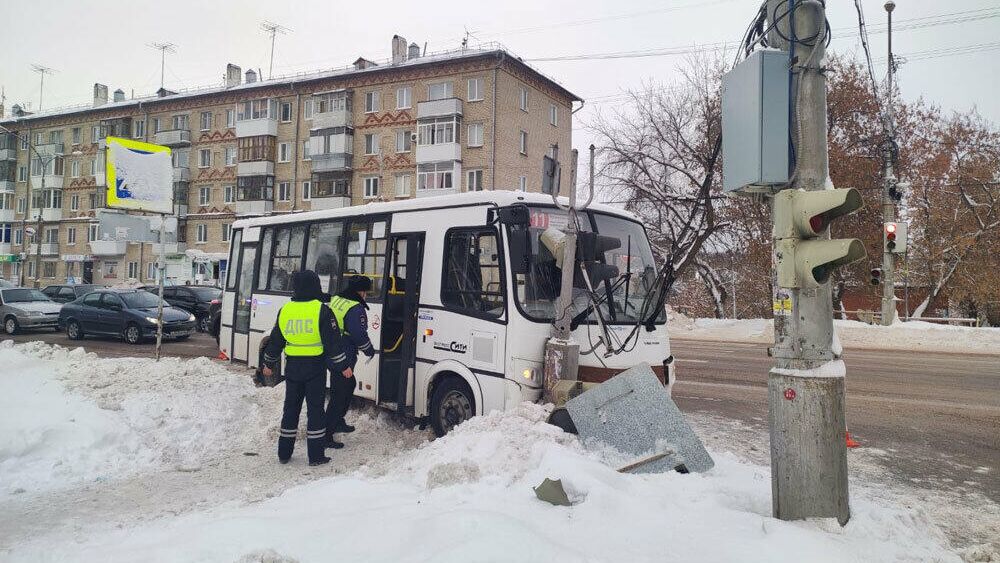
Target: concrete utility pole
{"points": [[888, 182], [806, 412]]}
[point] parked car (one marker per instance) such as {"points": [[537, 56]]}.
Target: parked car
{"points": [[66, 292], [127, 313], [26, 308], [195, 299]]}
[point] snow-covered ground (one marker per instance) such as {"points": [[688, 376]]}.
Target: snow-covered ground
{"points": [[129, 460], [911, 335]]}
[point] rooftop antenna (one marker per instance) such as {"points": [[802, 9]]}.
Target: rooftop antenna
{"points": [[468, 34], [273, 29], [164, 48], [42, 71]]}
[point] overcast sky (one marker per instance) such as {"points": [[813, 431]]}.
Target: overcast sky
{"points": [[98, 41]]}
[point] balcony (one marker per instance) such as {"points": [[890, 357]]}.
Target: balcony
{"points": [[8, 154], [173, 138], [439, 152], [108, 247], [335, 118], [255, 168], [169, 248], [256, 127], [182, 174], [6, 186], [6, 249], [100, 179], [51, 182], [439, 108], [52, 214], [332, 162], [331, 202], [49, 149], [180, 210], [258, 207], [6, 216], [48, 249]]}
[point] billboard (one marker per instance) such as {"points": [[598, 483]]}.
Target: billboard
{"points": [[139, 176]]}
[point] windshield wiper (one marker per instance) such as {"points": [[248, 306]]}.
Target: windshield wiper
{"points": [[579, 318]]}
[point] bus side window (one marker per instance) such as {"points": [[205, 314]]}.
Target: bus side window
{"points": [[323, 253], [287, 257], [266, 244], [365, 256], [472, 275]]}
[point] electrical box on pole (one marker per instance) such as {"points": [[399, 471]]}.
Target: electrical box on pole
{"points": [[804, 257], [755, 140]]}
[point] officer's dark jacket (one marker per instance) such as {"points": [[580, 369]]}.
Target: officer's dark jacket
{"points": [[303, 368], [355, 327]]}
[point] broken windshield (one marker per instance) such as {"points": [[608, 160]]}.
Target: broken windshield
{"points": [[620, 297]]}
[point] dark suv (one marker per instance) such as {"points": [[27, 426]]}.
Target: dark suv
{"points": [[66, 292], [195, 299]]}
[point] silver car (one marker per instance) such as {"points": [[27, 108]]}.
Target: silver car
{"points": [[26, 308]]}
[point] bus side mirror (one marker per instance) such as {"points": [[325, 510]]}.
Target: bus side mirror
{"points": [[511, 215], [520, 249]]}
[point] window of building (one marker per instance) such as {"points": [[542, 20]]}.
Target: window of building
{"points": [[435, 176], [204, 195], [92, 232], [229, 193], [258, 148], [151, 270], [139, 128], [74, 169], [474, 181], [284, 191], [307, 109], [92, 200], [440, 91], [371, 187], [256, 109], [206, 120], [202, 233], [227, 231], [523, 142], [373, 102], [255, 188], [438, 131], [5, 232], [74, 202], [31, 268], [22, 173], [553, 115], [472, 276], [133, 270], [48, 269], [286, 112], [475, 134], [522, 183], [181, 121], [475, 89], [305, 150], [403, 141], [98, 164], [56, 137], [371, 144], [204, 158], [307, 190], [283, 152], [230, 156], [71, 235], [24, 143], [157, 125], [51, 235], [76, 136], [331, 184], [403, 183], [230, 118], [404, 97], [522, 99]]}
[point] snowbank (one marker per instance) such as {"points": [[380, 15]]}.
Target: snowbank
{"points": [[67, 416], [911, 335], [469, 496]]}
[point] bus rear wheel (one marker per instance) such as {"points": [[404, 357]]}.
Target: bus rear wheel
{"points": [[452, 403]]}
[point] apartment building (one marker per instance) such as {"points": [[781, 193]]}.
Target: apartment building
{"points": [[413, 126]]}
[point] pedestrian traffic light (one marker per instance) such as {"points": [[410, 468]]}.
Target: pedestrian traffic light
{"points": [[805, 258], [876, 276], [894, 237]]}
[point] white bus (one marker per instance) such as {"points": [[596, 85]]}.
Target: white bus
{"points": [[463, 299]]}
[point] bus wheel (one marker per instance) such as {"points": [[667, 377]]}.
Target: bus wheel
{"points": [[451, 404]]}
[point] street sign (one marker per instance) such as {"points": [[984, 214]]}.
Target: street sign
{"points": [[139, 176], [9, 258]]}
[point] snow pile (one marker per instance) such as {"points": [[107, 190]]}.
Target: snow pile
{"points": [[67, 416], [910, 335], [468, 496]]}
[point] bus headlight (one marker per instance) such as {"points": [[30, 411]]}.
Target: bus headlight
{"points": [[528, 373]]}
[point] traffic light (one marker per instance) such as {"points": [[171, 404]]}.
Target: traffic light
{"points": [[894, 237], [897, 190], [876, 276], [590, 249], [804, 259]]}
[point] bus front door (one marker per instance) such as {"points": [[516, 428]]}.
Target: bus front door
{"points": [[242, 304], [399, 321]]}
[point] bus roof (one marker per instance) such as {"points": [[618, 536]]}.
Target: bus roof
{"points": [[497, 197]]}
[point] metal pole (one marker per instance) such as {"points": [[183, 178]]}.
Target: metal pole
{"points": [[889, 180], [38, 229], [161, 267], [270, 68], [41, 90], [163, 63], [806, 413]]}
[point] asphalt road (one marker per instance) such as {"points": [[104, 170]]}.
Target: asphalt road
{"points": [[937, 415]]}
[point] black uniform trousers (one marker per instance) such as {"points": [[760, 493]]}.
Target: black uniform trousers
{"points": [[341, 392], [313, 391]]}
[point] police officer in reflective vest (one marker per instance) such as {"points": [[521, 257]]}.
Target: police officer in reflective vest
{"points": [[307, 332], [348, 308]]}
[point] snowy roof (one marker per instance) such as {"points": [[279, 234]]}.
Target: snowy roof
{"points": [[302, 77]]}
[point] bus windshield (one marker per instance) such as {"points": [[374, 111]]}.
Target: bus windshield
{"points": [[621, 297]]}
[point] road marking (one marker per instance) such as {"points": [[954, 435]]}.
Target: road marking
{"points": [[691, 360]]}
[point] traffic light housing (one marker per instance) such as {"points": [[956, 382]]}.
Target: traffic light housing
{"points": [[590, 249], [805, 258], [876, 274], [894, 237]]}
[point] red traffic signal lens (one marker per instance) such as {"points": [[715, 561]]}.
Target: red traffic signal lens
{"points": [[816, 223], [891, 235], [890, 228]]}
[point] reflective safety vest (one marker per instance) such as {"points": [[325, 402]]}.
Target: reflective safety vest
{"points": [[340, 306], [299, 324]]}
